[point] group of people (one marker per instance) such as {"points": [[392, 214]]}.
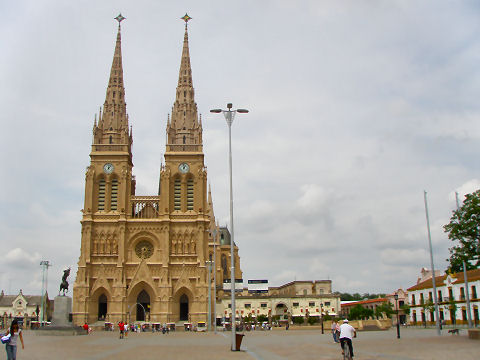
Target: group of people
{"points": [[344, 334]]}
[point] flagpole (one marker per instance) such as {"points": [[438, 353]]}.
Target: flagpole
{"points": [[437, 317]]}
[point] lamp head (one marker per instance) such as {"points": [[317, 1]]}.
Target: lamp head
{"points": [[216, 110], [242, 110]]}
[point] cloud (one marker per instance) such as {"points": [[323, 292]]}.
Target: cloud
{"points": [[20, 257]]}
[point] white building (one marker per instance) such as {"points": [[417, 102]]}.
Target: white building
{"points": [[21, 307], [451, 295]]}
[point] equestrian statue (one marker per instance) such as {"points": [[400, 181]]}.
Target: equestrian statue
{"points": [[64, 284]]}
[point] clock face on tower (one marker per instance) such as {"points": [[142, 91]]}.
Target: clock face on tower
{"points": [[108, 168], [183, 168]]}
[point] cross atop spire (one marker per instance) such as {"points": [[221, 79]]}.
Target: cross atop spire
{"points": [[186, 18], [120, 18]]}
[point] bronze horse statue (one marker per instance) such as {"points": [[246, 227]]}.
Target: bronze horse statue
{"points": [[64, 284]]}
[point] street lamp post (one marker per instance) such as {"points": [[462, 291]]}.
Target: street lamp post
{"points": [[45, 265], [398, 322], [229, 116], [209, 267], [321, 314], [214, 232]]}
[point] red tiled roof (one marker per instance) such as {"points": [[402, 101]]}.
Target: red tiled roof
{"points": [[472, 275], [362, 302]]}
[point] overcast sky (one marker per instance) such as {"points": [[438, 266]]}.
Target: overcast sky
{"points": [[356, 108]]}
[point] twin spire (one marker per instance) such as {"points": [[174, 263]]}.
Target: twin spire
{"points": [[183, 127], [184, 130], [113, 121]]}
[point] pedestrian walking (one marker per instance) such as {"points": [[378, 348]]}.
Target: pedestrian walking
{"points": [[15, 333], [121, 326], [334, 330]]}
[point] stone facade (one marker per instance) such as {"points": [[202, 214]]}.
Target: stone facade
{"points": [[143, 258]]}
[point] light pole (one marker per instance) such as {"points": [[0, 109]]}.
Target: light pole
{"points": [[398, 322], [209, 267], [214, 232], [45, 265], [229, 116], [321, 316]]}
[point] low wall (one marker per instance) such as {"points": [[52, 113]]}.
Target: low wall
{"points": [[474, 334]]}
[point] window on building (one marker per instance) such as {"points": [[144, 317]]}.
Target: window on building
{"points": [[263, 305], [474, 292], [422, 300], [320, 291], [450, 294], [114, 195], [295, 304], [462, 293], [190, 194], [177, 191], [248, 306], [327, 303], [430, 298], [413, 299], [311, 304], [229, 306], [304, 291], [101, 194], [440, 295]]}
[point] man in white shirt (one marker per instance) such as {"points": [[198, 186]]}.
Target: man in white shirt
{"points": [[347, 333]]}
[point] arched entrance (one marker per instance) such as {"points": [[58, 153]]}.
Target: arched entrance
{"points": [[281, 310], [144, 299], [102, 307], [184, 308]]}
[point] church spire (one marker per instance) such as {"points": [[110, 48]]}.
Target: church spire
{"points": [[113, 124], [184, 128]]}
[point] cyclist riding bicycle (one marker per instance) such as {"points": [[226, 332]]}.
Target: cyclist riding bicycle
{"points": [[347, 333]]}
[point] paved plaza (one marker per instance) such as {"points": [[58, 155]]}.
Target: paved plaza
{"points": [[275, 344]]}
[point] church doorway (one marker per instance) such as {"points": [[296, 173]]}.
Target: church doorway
{"points": [[184, 308], [143, 305], [102, 307]]}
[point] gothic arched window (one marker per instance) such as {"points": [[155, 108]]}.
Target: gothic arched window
{"points": [[101, 194], [190, 194], [177, 194], [114, 195]]}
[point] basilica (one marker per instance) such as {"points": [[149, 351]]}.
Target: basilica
{"points": [[146, 257]]}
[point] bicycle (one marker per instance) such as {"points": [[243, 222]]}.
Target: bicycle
{"points": [[346, 352], [346, 349]]}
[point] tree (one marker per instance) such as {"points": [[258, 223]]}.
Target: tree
{"points": [[261, 318], [386, 308], [405, 308], [464, 230], [452, 307], [299, 320]]}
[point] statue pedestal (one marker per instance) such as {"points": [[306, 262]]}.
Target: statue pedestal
{"points": [[60, 319], [61, 311]]}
